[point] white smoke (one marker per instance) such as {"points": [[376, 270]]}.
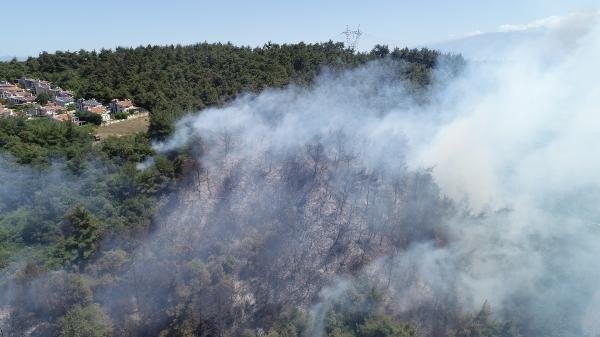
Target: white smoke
{"points": [[514, 141], [557, 33]]}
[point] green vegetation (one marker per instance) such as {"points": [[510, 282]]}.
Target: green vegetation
{"points": [[89, 117], [43, 98], [120, 115], [73, 214], [169, 81], [88, 321], [82, 232], [72, 194], [357, 316], [39, 141]]}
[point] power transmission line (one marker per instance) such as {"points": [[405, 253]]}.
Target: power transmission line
{"points": [[352, 36]]}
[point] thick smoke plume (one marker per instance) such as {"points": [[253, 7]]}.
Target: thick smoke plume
{"points": [[483, 189]]}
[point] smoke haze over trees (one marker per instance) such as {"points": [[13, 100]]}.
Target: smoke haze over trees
{"points": [[386, 196]]}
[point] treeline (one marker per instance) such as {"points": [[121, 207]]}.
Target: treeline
{"points": [[170, 80]]}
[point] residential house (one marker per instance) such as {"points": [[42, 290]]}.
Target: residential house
{"points": [[9, 89], [36, 86], [57, 94], [41, 87], [100, 110], [63, 100], [62, 97], [66, 117], [20, 98], [117, 106], [27, 83], [69, 116], [85, 104], [5, 85], [49, 110]]}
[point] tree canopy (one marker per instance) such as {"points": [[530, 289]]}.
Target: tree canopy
{"points": [[171, 80], [73, 213]]}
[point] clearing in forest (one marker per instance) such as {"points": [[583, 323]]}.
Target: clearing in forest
{"points": [[123, 128]]}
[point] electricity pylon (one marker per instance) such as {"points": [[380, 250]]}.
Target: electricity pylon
{"points": [[352, 36]]}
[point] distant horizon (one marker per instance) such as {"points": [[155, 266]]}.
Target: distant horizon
{"points": [[110, 23]]}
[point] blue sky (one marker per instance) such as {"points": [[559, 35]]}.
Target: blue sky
{"points": [[30, 27]]}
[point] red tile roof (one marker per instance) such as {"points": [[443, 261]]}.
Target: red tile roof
{"points": [[62, 117], [125, 103], [52, 107], [11, 88], [97, 109]]}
